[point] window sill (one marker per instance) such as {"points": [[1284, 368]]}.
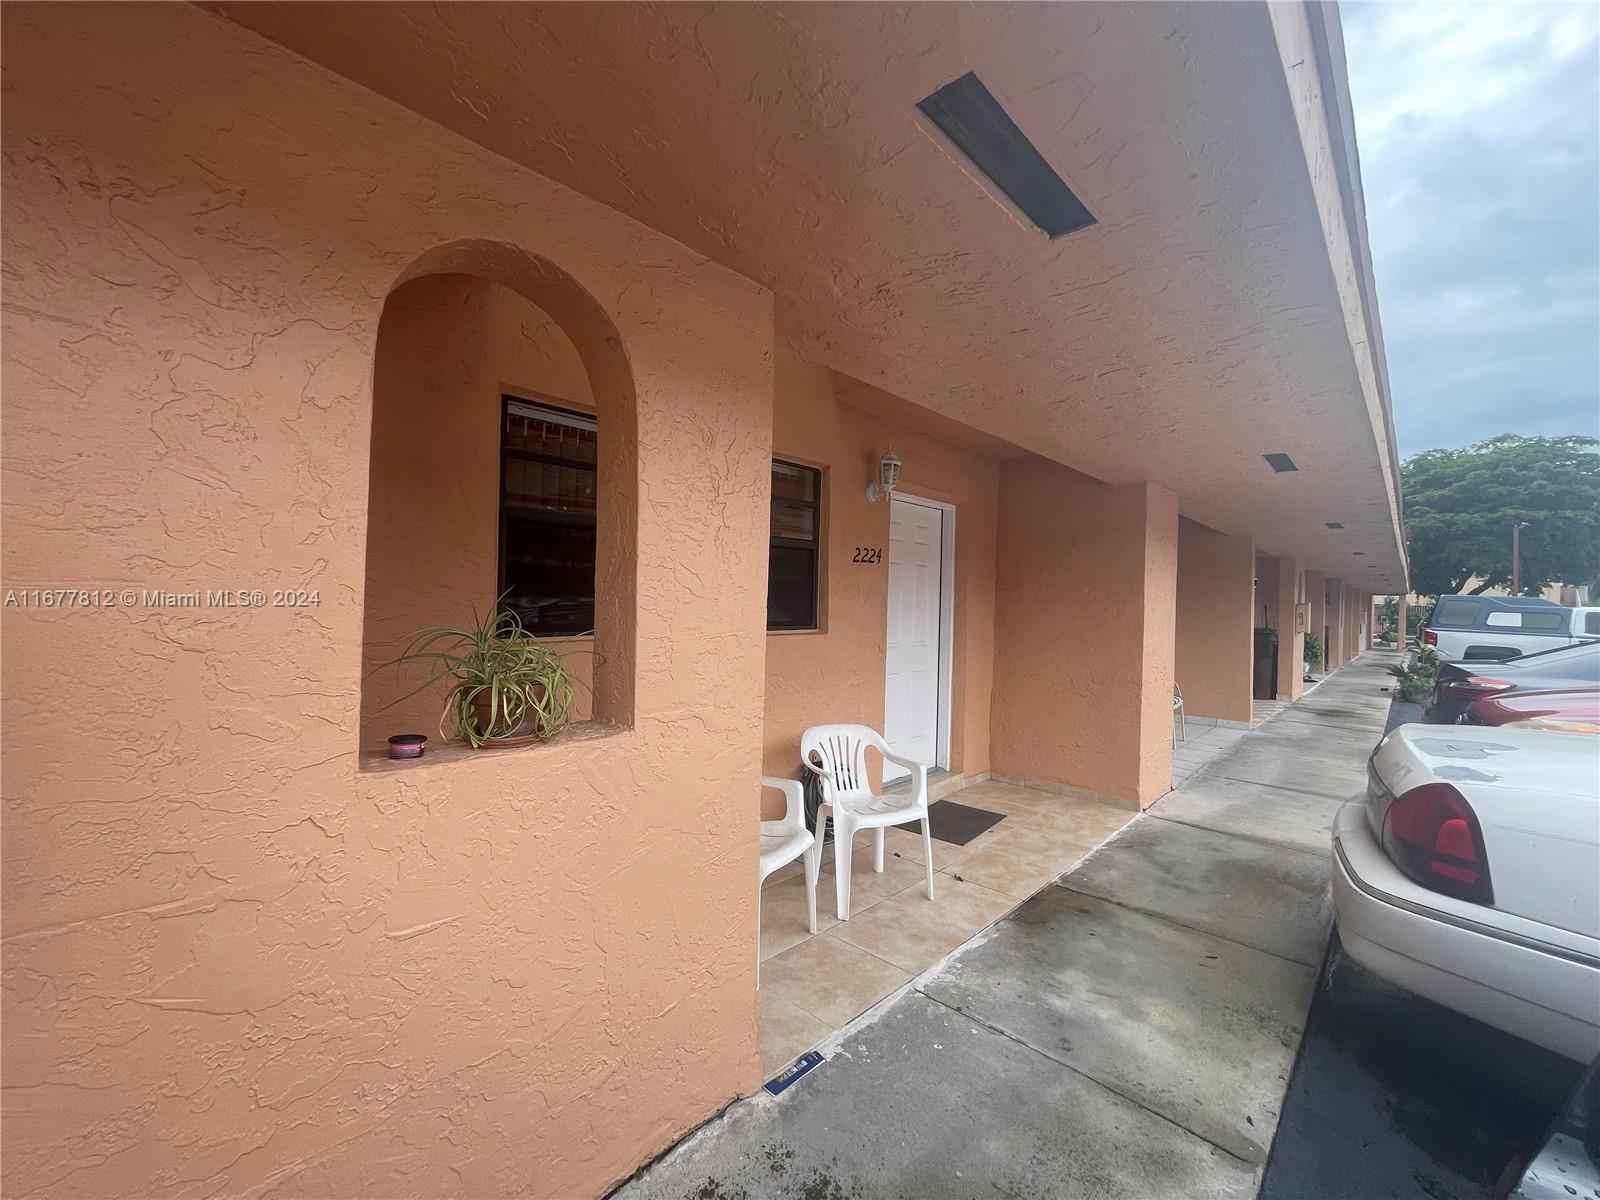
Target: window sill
{"points": [[378, 762]]}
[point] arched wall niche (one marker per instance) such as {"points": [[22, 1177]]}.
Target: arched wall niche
{"points": [[465, 322]]}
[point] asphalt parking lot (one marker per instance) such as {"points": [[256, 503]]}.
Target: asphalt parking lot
{"points": [[1395, 1096]]}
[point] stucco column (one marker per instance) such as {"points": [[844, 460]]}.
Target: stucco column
{"points": [[1352, 620], [1317, 599], [1214, 639], [1085, 613], [1291, 642], [1344, 622], [1335, 619], [1402, 612]]}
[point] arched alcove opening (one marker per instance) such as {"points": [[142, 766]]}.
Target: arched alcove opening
{"points": [[503, 453]]}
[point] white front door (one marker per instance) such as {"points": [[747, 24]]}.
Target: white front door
{"points": [[914, 669]]}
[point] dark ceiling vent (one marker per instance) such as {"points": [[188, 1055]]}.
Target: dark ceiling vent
{"points": [[1280, 462], [972, 118], [1334, 524]]}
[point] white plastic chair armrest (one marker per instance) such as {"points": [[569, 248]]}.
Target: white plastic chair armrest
{"points": [[794, 798], [919, 773], [829, 784]]}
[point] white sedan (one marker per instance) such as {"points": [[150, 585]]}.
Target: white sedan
{"points": [[1470, 874]]}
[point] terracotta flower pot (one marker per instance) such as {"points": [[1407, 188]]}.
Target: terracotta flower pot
{"points": [[526, 732]]}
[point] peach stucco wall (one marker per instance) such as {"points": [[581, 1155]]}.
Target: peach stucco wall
{"points": [[1214, 640], [235, 963], [1335, 616], [1084, 631], [837, 673], [1316, 597], [1291, 639], [449, 346]]}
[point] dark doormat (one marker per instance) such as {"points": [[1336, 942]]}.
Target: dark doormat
{"points": [[956, 823]]}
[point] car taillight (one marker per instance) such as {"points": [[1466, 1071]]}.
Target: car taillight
{"points": [[1472, 687], [1432, 835], [1430, 638]]}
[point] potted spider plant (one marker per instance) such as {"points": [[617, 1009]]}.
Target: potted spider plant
{"points": [[504, 687]]}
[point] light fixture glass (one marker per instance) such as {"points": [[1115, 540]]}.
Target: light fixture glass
{"points": [[888, 477]]}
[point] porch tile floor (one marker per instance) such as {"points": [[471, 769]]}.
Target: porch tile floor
{"points": [[1204, 743], [814, 985], [1265, 710]]}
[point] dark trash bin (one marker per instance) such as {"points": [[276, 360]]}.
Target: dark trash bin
{"points": [[1266, 666]]}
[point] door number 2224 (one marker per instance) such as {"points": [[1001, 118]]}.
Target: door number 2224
{"points": [[868, 554]]}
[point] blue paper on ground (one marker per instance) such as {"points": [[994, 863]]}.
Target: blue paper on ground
{"points": [[793, 1071]]}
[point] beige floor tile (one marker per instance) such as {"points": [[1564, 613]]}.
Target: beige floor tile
{"points": [[1004, 798], [908, 845], [784, 1031], [1080, 818], [913, 932], [1058, 842], [783, 913], [1022, 862], [868, 887], [787, 871], [832, 980]]}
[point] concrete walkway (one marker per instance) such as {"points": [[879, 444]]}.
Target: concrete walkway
{"points": [[1126, 1032]]}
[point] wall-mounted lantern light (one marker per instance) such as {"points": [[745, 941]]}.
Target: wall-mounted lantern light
{"points": [[888, 477]]}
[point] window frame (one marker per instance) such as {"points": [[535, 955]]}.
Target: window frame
{"points": [[555, 406], [814, 544]]}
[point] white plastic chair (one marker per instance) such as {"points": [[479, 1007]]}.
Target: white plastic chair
{"points": [[781, 843], [838, 754], [1177, 707]]}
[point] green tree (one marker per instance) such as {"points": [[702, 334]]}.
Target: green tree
{"points": [[1461, 504]]}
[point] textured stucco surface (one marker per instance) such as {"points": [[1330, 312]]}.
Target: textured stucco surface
{"points": [[1084, 631], [1317, 598], [233, 963], [1213, 633], [837, 673], [1216, 311], [1291, 641], [1337, 651], [449, 346]]}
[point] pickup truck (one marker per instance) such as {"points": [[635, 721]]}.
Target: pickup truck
{"points": [[1498, 628]]}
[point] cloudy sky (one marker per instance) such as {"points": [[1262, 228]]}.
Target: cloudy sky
{"points": [[1479, 129]]}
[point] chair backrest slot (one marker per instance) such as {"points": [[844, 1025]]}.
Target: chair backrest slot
{"points": [[841, 752]]}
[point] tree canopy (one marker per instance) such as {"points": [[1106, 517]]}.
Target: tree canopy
{"points": [[1461, 504]]}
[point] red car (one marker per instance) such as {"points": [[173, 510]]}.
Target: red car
{"points": [[1569, 712]]}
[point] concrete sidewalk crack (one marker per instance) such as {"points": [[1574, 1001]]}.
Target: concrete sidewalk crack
{"points": [[1233, 833], [968, 1015], [1283, 787], [1160, 916]]}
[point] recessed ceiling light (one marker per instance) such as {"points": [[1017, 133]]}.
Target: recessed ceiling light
{"points": [[1280, 462], [967, 113], [1334, 524]]}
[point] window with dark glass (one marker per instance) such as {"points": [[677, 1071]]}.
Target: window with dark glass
{"points": [[547, 516], [793, 558]]}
